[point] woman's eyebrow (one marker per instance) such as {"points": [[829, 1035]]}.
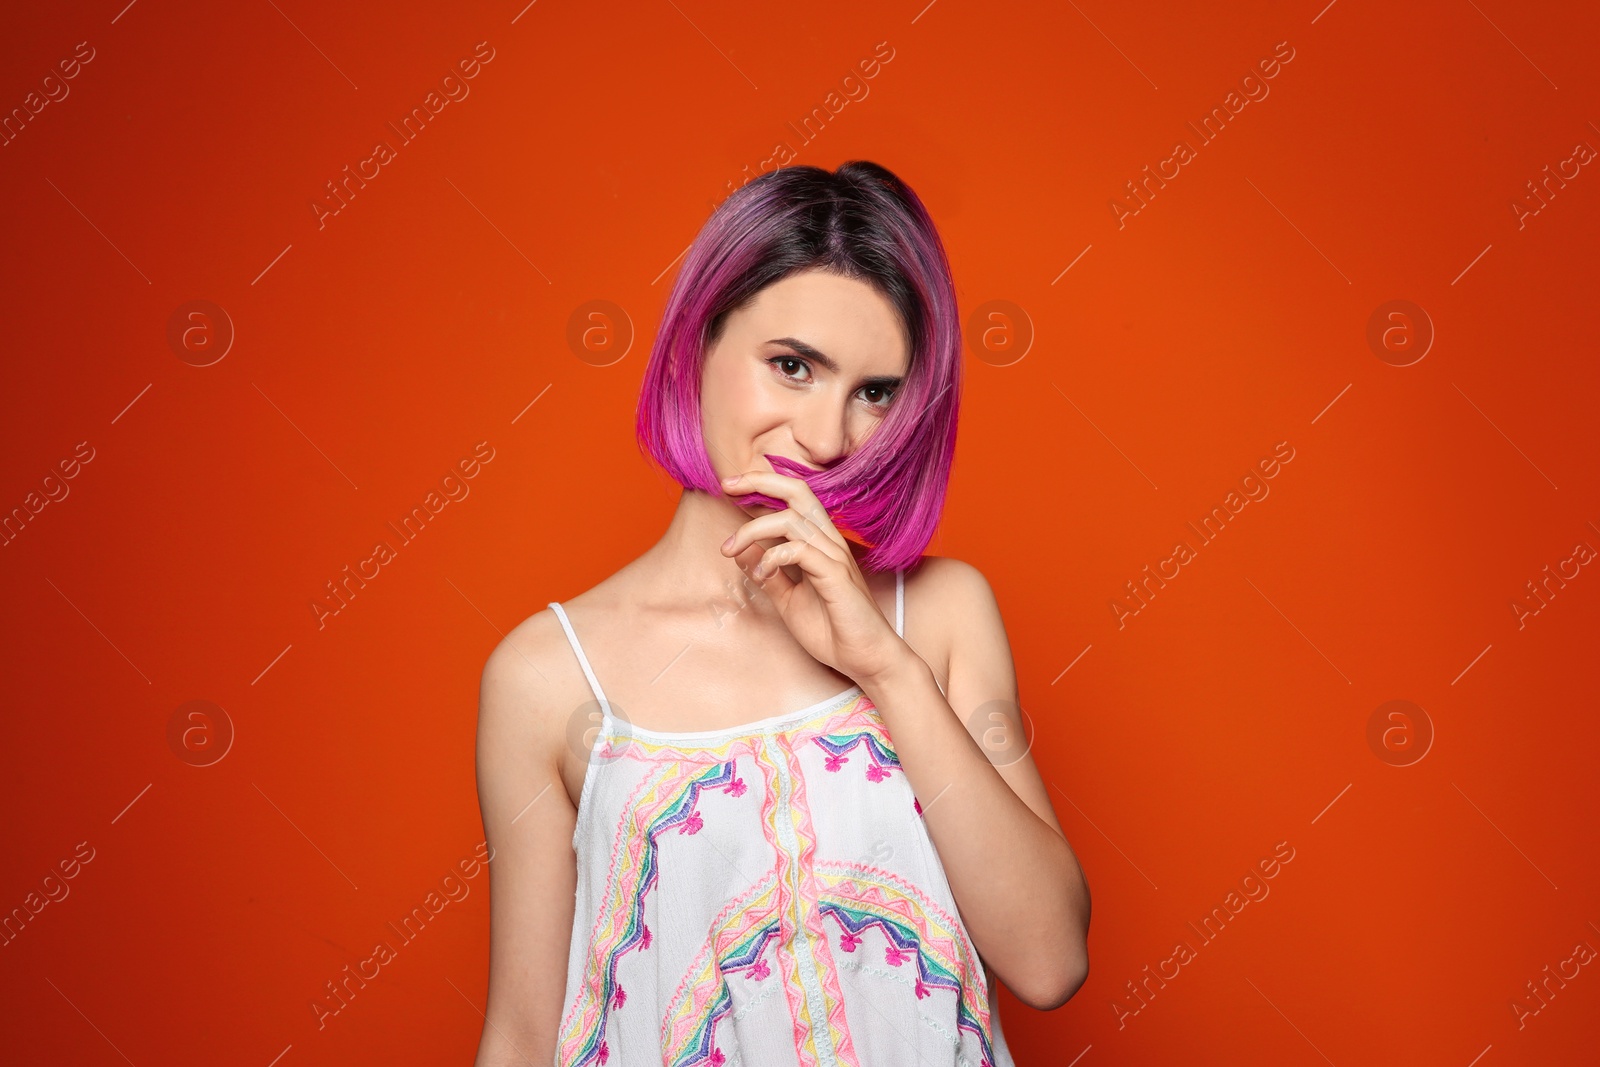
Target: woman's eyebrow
{"points": [[801, 348], [807, 351]]}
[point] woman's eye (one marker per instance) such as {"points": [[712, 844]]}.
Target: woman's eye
{"points": [[795, 369], [878, 396], [783, 363]]}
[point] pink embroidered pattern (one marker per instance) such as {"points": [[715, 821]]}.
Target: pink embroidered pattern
{"points": [[716, 859]]}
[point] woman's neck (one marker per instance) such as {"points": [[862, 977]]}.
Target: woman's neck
{"points": [[686, 566], [687, 563]]}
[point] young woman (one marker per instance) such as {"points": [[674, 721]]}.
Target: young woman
{"points": [[792, 839]]}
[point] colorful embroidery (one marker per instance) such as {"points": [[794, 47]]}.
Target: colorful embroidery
{"points": [[738, 942], [670, 804], [794, 923], [915, 929], [880, 756]]}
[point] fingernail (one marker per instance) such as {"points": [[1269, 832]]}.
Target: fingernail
{"points": [[730, 479], [728, 542]]}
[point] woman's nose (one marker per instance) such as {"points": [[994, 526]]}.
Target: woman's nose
{"points": [[820, 430]]}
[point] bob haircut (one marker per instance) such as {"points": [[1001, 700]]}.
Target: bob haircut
{"points": [[862, 222]]}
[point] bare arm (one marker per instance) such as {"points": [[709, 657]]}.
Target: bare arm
{"points": [[529, 821], [1021, 892]]}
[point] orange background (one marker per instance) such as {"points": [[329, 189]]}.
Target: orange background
{"points": [[373, 353]]}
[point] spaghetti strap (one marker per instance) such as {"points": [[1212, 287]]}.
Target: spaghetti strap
{"points": [[900, 602], [900, 615], [594, 683], [583, 661], [678, 834]]}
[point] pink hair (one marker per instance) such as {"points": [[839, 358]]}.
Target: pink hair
{"points": [[860, 221]]}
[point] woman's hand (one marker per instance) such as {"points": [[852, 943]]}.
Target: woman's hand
{"points": [[813, 579]]}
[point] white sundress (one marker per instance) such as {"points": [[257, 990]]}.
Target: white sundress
{"points": [[765, 896]]}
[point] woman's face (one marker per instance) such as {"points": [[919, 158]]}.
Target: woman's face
{"points": [[805, 370]]}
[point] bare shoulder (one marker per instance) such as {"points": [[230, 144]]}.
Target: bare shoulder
{"points": [[957, 602], [522, 762], [947, 581], [953, 622], [528, 660], [529, 687], [951, 603]]}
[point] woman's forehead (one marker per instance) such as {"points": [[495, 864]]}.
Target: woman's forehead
{"points": [[846, 319]]}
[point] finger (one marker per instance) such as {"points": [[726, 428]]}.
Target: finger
{"points": [[784, 525], [792, 491], [824, 571]]}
